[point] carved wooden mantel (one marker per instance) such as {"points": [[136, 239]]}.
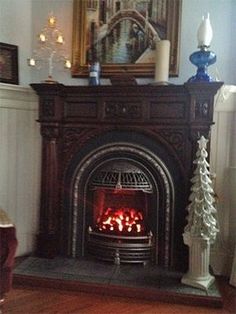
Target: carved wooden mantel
{"points": [[70, 116]]}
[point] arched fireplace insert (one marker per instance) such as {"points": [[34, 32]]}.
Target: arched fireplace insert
{"points": [[122, 174]]}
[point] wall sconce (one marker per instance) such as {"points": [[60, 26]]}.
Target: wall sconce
{"points": [[204, 57], [50, 49]]}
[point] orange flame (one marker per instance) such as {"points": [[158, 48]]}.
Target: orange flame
{"points": [[121, 220]]}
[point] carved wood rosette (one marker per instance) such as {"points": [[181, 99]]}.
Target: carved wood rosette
{"points": [[122, 110], [176, 141]]}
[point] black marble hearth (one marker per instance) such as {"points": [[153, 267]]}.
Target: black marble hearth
{"points": [[148, 282]]}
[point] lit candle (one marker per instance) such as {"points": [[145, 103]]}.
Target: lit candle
{"points": [[60, 39], [204, 33], [67, 64], [52, 21], [31, 62], [42, 37], [162, 61]]}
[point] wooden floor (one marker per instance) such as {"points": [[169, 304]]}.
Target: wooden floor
{"points": [[26, 300]]}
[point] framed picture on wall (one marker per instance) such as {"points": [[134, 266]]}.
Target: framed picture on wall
{"points": [[121, 35], [9, 64]]}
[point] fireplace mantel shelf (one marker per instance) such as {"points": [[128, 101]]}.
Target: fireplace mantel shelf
{"points": [[141, 104]]}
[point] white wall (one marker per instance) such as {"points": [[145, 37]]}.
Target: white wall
{"points": [[22, 20], [20, 154], [15, 29]]}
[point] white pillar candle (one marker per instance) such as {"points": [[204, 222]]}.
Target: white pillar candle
{"points": [[162, 61]]}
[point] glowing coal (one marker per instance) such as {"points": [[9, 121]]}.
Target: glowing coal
{"points": [[127, 221]]}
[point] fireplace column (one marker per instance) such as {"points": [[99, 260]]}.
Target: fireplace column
{"points": [[47, 237]]}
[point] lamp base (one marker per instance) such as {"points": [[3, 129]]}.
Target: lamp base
{"points": [[201, 77], [202, 59]]}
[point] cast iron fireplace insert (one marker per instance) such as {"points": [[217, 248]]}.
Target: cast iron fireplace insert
{"points": [[116, 169], [120, 230]]}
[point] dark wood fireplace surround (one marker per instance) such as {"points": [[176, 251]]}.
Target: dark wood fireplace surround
{"points": [[73, 117]]}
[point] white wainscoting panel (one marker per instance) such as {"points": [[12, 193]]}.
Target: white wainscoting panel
{"points": [[20, 158], [223, 163]]}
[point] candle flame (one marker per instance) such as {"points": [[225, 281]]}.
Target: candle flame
{"points": [[60, 39], [42, 37], [52, 21], [67, 64]]}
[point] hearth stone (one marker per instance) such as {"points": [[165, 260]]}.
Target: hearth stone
{"points": [[149, 282]]}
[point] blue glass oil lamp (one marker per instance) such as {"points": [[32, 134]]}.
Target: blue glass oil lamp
{"points": [[203, 57]]}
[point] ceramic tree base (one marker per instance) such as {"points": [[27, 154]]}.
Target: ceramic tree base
{"points": [[197, 282], [198, 275]]}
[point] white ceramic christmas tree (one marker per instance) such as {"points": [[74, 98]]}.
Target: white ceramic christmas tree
{"points": [[202, 226]]}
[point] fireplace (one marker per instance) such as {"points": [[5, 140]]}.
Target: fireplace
{"points": [[116, 165]]}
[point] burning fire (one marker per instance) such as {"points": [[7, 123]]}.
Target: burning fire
{"points": [[122, 220]]}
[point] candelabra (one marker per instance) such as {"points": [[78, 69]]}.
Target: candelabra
{"points": [[50, 49], [203, 57]]}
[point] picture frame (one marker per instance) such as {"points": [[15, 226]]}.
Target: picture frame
{"points": [[83, 32], [9, 64]]}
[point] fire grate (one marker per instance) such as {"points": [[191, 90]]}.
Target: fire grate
{"points": [[120, 249]]}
